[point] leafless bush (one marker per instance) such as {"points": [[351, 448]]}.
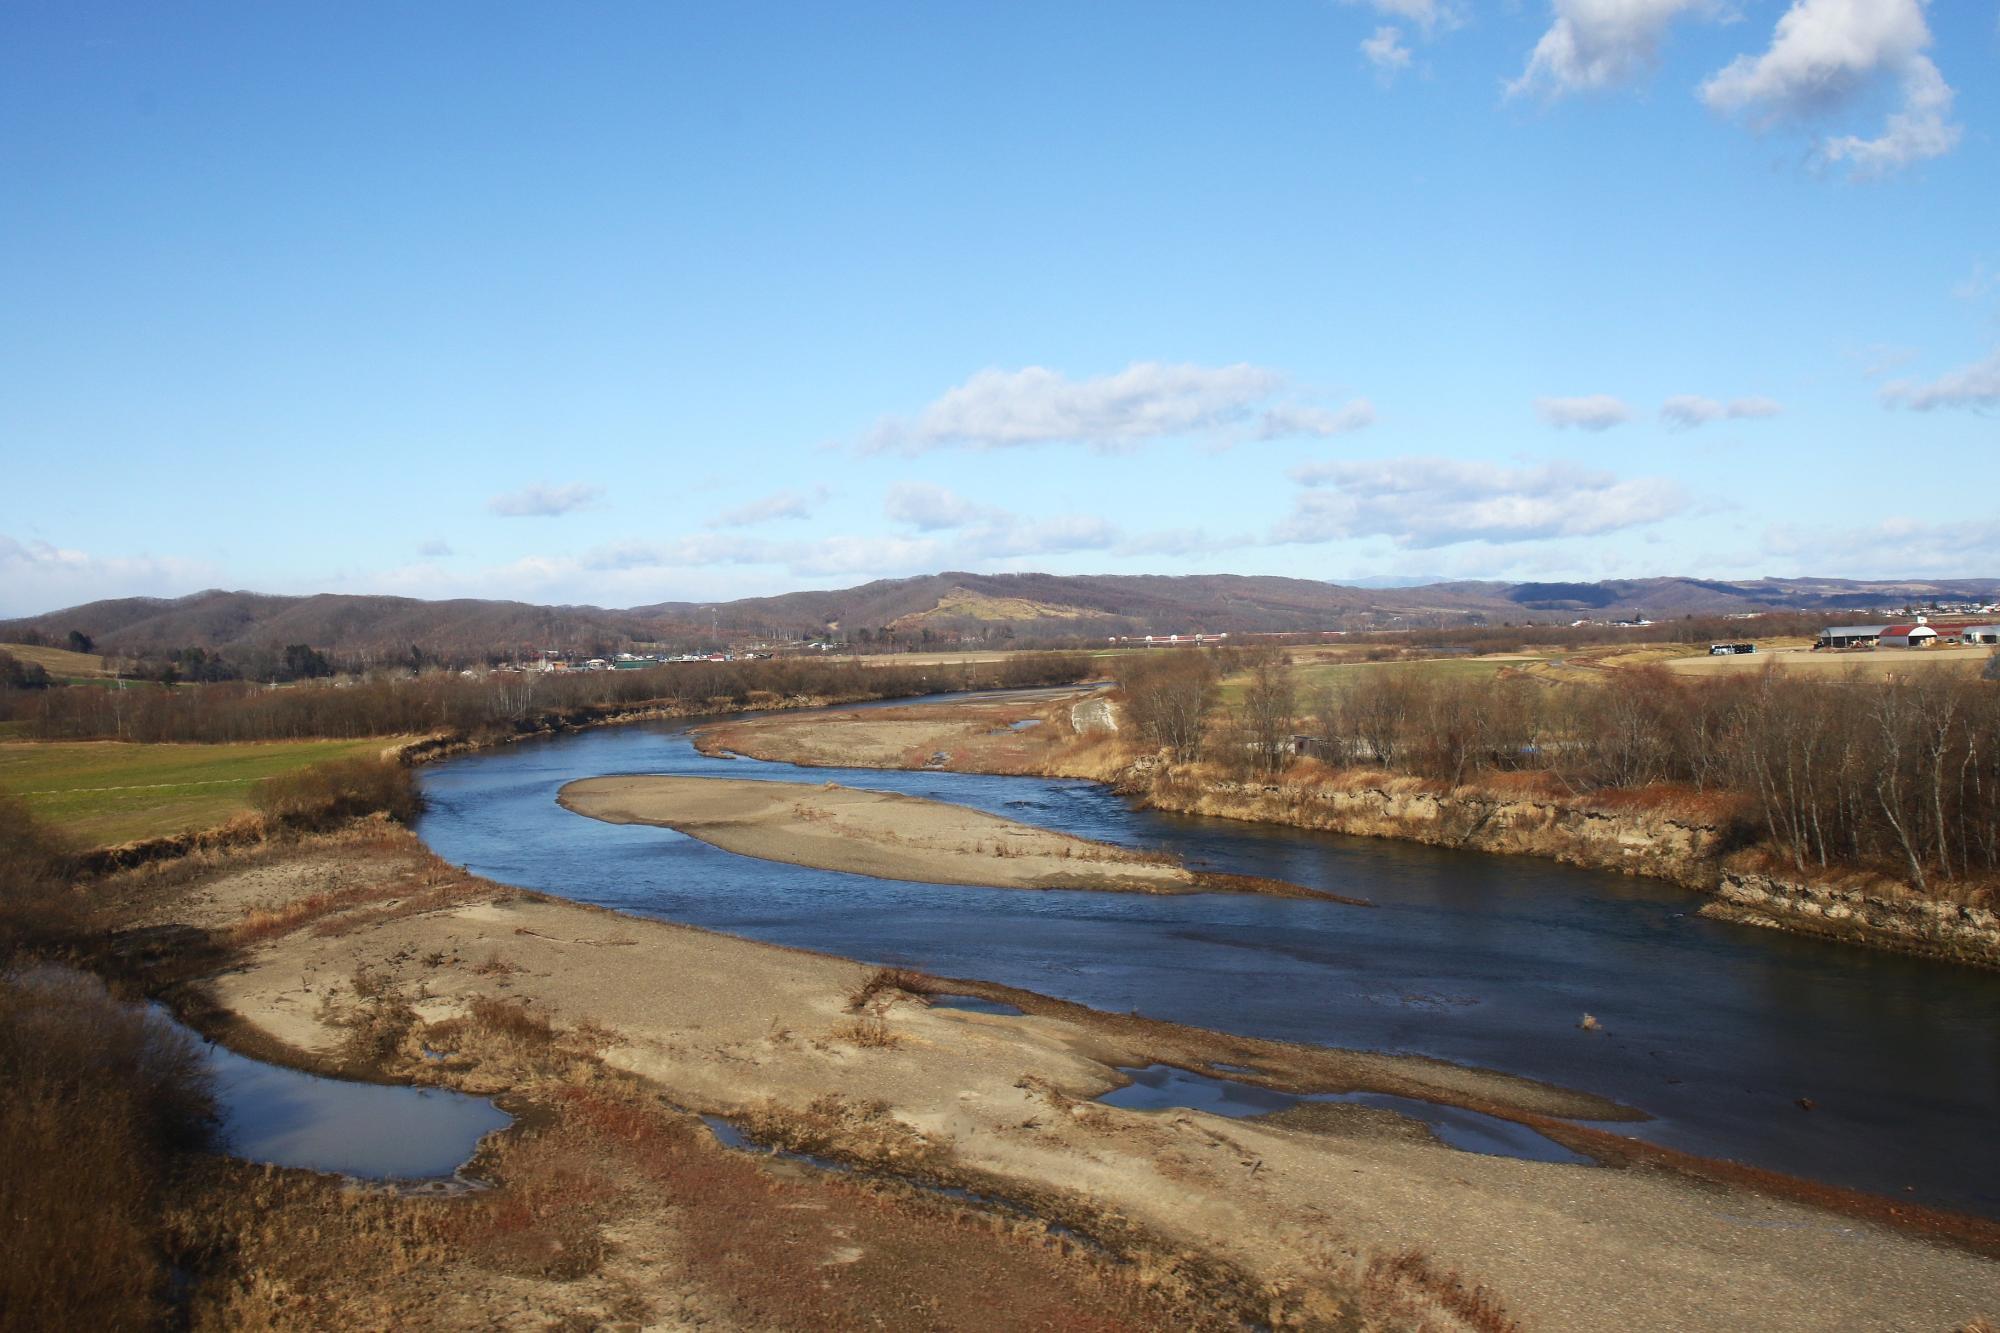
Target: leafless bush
{"points": [[1169, 695], [95, 1098], [888, 981], [869, 1032], [39, 911], [323, 795]]}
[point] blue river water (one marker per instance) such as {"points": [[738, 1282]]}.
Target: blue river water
{"points": [[1717, 1031]]}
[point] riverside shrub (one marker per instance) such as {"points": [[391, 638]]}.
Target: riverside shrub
{"points": [[96, 1097], [323, 795]]}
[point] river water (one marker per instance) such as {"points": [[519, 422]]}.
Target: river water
{"points": [[1717, 1031]]}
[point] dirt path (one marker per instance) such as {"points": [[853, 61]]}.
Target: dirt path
{"points": [[889, 836], [826, 1054]]}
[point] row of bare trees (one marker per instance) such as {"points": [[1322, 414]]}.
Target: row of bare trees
{"points": [[1900, 773], [503, 701]]}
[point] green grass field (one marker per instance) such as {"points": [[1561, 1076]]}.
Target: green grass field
{"points": [[1312, 677], [101, 793]]}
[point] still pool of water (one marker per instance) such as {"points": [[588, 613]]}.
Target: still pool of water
{"points": [[367, 1130], [1715, 1030]]}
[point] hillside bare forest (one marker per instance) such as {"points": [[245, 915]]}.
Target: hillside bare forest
{"points": [[951, 609]]}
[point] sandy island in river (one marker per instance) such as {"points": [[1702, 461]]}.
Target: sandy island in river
{"points": [[891, 836]]}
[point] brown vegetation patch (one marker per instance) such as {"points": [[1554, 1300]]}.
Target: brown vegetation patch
{"points": [[1409, 1288], [889, 982], [620, 1210], [97, 1099]]}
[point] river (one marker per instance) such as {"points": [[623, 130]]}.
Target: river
{"points": [[1717, 1031]]}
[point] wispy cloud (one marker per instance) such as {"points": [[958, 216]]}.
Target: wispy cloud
{"points": [[1384, 50], [542, 500], [1292, 422], [1687, 411], [434, 549], [981, 532], [1593, 412], [1428, 15], [1592, 45], [788, 503], [1824, 55], [1005, 409], [1974, 386], [37, 576], [928, 507], [1899, 546], [1429, 502]]}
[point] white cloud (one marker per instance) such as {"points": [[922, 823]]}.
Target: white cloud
{"points": [[1823, 56], [1976, 385], [434, 548], [1386, 52], [1428, 15], [37, 576], [1687, 411], [1288, 422], [1898, 547], [778, 504], [542, 500], [1598, 411], [982, 533], [1597, 44], [1179, 543], [928, 507], [1001, 409], [1428, 502]]}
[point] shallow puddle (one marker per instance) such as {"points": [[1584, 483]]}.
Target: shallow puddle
{"points": [[1165, 1087], [371, 1131]]}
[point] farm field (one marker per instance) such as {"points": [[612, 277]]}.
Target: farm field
{"points": [[1312, 676], [101, 793], [1875, 663], [59, 662]]}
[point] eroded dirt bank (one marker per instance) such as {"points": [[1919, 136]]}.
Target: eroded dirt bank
{"points": [[363, 951], [1653, 838], [890, 836]]}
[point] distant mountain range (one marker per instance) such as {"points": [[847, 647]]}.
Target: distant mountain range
{"points": [[1020, 607]]}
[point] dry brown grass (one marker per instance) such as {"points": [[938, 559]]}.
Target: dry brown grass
{"points": [[329, 794], [872, 1033], [96, 1101], [1406, 1290], [889, 981]]}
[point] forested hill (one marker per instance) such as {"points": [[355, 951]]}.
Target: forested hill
{"points": [[952, 606]]}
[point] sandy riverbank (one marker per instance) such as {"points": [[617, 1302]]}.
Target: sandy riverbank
{"points": [[889, 836], [340, 941]]}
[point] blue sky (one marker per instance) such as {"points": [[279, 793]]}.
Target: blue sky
{"points": [[626, 303]]}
